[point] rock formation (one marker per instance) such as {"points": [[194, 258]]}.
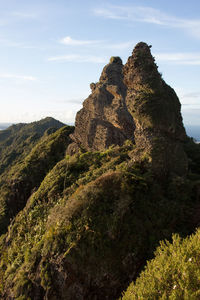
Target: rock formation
{"points": [[133, 102], [83, 226], [155, 107], [104, 119]]}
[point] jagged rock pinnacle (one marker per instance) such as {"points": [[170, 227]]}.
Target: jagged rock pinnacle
{"points": [[133, 102], [104, 119], [155, 108], [141, 68]]}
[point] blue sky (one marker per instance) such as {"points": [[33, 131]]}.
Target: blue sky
{"points": [[50, 51]]}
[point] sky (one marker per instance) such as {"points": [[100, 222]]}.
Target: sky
{"points": [[50, 51]]}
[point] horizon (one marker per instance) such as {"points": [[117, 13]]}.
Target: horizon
{"points": [[51, 52], [191, 130]]}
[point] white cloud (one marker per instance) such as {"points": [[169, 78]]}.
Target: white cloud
{"points": [[179, 58], [190, 105], [149, 15], [192, 95], [78, 58], [68, 41], [109, 14], [14, 76], [188, 99], [72, 42]]}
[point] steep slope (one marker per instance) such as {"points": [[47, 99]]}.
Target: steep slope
{"points": [[18, 182], [18, 140], [89, 228], [91, 220], [155, 107]]}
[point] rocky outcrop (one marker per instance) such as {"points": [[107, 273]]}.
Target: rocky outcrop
{"points": [[134, 102], [104, 119], [155, 107]]}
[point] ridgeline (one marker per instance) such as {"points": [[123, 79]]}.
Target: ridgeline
{"points": [[83, 209]]}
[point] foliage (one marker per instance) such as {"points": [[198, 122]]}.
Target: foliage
{"points": [[18, 140], [115, 59], [173, 274], [90, 220], [28, 173], [93, 209]]}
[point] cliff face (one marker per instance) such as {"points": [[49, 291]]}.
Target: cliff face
{"points": [[155, 107], [104, 119], [133, 102]]}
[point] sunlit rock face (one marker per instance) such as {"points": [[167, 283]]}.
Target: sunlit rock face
{"points": [[133, 102], [104, 119], [155, 107]]}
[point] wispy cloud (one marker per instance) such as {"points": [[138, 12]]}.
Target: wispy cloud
{"points": [[193, 95], [133, 13], [71, 101], [73, 42], [78, 58], [69, 41], [21, 77], [188, 99], [179, 58], [149, 15]]}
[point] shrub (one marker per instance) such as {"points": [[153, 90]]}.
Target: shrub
{"points": [[174, 273]]}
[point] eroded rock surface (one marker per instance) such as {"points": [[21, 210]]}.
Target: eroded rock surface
{"points": [[155, 107], [134, 102], [104, 119]]}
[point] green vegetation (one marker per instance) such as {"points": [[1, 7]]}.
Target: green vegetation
{"points": [[115, 59], [87, 226], [19, 180], [18, 140], [84, 226], [173, 274], [97, 217]]}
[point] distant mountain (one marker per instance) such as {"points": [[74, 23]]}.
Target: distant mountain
{"points": [[4, 125], [27, 152], [18, 140]]}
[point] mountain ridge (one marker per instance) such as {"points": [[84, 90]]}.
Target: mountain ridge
{"points": [[98, 205]]}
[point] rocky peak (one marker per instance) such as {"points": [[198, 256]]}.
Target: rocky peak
{"points": [[104, 119], [133, 102], [112, 73], [141, 68], [155, 108]]}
